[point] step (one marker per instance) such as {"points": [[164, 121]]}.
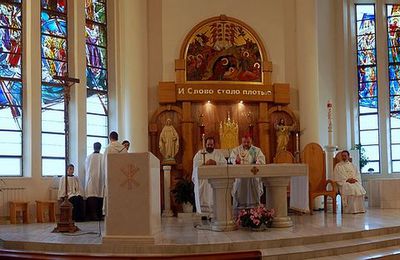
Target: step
{"points": [[392, 252], [335, 248]]}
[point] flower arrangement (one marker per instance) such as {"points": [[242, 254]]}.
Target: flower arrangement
{"points": [[255, 217]]}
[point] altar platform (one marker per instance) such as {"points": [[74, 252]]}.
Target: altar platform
{"points": [[318, 235]]}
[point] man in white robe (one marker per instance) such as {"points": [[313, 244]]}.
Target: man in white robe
{"points": [[202, 189], [113, 147], [246, 192], [348, 179], [94, 183]]}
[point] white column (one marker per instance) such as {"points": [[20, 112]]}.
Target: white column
{"points": [[134, 73], [223, 219], [167, 212], [277, 199]]}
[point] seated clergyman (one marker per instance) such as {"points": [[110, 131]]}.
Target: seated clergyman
{"points": [[348, 179], [202, 189]]}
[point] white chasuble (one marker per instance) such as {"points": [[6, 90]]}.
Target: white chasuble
{"points": [[202, 189], [246, 192]]}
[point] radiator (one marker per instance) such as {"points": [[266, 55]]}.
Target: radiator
{"points": [[8, 194]]}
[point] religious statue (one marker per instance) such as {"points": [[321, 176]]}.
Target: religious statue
{"points": [[169, 142], [282, 135]]}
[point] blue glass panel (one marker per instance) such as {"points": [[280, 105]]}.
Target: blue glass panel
{"points": [[10, 40], [10, 143], [394, 87], [52, 95], [366, 42], [395, 136], [371, 167], [11, 94], [365, 12], [366, 57], [367, 74], [97, 125], [395, 103], [367, 90], [372, 152], [7, 119], [371, 103], [366, 27], [54, 48], [395, 120], [53, 167], [96, 78], [394, 72], [55, 5], [10, 16], [96, 10], [369, 137], [96, 34], [10, 65], [53, 145], [96, 56], [53, 24], [394, 55], [50, 68], [368, 122], [53, 120]]}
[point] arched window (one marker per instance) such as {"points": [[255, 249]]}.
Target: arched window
{"points": [[11, 88], [96, 73], [54, 62]]}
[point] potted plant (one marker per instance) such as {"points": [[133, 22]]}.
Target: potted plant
{"points": [[363, 156], [184, 194]]}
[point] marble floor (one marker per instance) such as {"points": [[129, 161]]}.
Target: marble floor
{"points": [[178, 233]]}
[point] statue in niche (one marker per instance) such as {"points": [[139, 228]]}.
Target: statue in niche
{"points": [[169, 142], [283, 134]]}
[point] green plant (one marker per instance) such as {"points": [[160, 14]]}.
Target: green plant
{"points": [[363, 157], [184, 191]]}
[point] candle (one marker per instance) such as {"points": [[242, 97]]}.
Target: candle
{"points": [[204, 142]]}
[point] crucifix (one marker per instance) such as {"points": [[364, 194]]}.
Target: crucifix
{"points": [[65, 223]]}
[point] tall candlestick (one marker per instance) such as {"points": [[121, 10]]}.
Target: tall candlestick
{"points": [[204, 142], [330, 132]]}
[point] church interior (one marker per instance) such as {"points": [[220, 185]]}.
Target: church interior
{"points": [[298, 78]]}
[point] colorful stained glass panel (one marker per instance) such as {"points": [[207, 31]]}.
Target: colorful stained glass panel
{"points": [[96, 78], [367, 74], [366, 57], [96, 10], [10, 16], [365, 27], [53, 24], [367, 90], [10, 93], [96, 56], [50, 68], [394, 72], [96, 34], [10, 40], [10, 65], [395, 103], [97, 102], [394, 87], [54, 48], [394, 55], [365, 12], [393, 10], [51, 95], [54, 5], [366, 42]]}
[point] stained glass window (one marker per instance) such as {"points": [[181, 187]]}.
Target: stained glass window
{"points": [[367, 85], [11, 88], [393, 34], [54, 63], [96, 73]]}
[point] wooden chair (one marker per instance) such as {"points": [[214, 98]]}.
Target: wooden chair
{"points": [[314, 156], [19, 206]]}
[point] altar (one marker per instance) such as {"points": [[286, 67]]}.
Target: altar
{"points": [[276, 178]]}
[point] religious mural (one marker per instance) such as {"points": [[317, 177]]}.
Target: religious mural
{"points": [[223, 51]]}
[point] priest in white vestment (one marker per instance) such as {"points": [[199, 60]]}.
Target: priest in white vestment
{"points": [[94, 183], [348, 179], [113, 147], [246, 192], [202, 189]]}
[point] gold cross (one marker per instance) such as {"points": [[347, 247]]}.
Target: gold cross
{"points": [[254, 170]]}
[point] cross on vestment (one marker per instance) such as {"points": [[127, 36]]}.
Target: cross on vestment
{"points": [[254, 170], [66, 224]]}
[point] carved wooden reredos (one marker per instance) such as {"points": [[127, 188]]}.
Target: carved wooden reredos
{"points": [[222, 68]]}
